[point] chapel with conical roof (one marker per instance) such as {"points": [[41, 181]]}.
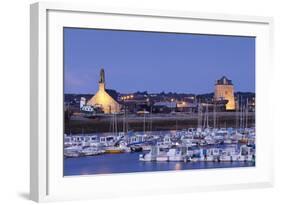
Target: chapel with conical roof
{"points": [[104, 98]]}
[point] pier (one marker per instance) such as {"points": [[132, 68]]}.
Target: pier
{"points": [[154, 122]]}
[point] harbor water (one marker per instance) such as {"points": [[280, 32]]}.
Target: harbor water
{"points": [[129, 163]]}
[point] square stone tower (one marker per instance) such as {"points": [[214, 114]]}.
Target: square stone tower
{"points": [[224, 90]]}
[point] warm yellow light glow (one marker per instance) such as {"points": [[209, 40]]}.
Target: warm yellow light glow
{"points": [[225, 92], [109, 105], [178, 166]]}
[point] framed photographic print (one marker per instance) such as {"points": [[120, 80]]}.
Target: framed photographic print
{"points": [[131, 102]]}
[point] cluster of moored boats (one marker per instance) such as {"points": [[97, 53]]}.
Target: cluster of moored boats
{"points": [[213, 154], [189, 145]]}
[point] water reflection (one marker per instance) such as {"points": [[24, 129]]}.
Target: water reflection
{"points": [[178, 166], [128, 163]]}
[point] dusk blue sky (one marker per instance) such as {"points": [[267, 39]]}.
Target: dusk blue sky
{"points": [[156, 62]]}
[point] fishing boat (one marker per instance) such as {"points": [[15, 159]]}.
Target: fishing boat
{"points": [[72, 154], [194, 159], [146, 147], [162, 157], [176, 155], [209, 158], [136, 148], [91, 151], [150, 156], [225, 158], [114, 150], [73, 151], [147, 157]]}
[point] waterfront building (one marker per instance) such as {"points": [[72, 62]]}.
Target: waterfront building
{"points": [[104, 98], [224, 90], [164, 107], [186, 106]]}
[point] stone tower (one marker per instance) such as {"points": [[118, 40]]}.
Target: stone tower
{"points": [[224, 90], [102, 80]]}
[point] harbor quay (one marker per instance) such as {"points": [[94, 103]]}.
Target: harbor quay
{"points": [[155, 122]]}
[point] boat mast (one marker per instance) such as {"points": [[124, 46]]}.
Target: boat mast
{"points": [[151, 118], [236, 112], [124, 120], [246, 115], [127, 121], [116, 127], [114, 124], [240, 113], [143, 121], [111, 128], [207, 118], [204, 119], [214, 115], [199, 115]]}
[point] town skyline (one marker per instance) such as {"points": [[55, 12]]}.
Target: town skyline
{"points": [[199, 60], [145, 91], [166, 92]]}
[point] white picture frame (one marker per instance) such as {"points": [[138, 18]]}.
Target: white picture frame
{"points": [[46, 159]]}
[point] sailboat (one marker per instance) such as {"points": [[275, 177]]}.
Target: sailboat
{"points": [[114, 149], [177, 154], [150, 156]]}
